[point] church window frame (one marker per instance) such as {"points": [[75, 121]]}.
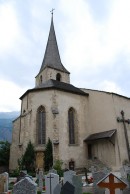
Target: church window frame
{"points": [[41, 125], [58, 77], [72, 126], [40, 79], [72, 164]]}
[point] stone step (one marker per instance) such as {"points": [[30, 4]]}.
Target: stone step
{"points": [[99, 165]]}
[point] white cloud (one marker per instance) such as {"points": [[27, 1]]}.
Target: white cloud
{"points": [[9, 98], [92, 44], [110, 86], [89, 46], [117, 29], [9, 28]]}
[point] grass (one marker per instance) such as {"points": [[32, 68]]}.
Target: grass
{"points": [[39, 192], [87, 193]]}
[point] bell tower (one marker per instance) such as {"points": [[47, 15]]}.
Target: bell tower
{"points": [[52, 67]]}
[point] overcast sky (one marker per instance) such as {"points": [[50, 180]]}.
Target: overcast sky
{"points": [[93, 38]]}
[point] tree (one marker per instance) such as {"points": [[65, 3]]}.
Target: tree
{"points": [[4, 153], [28, 159], [48, 158]]}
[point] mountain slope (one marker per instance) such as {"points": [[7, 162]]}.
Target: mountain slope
{"points": [[6, 119]]}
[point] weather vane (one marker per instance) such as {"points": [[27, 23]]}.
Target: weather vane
{"points": [[52, 11]]}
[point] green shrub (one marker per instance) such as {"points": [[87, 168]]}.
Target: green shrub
{"points": [[4, 153], [15, 173], [87, 193], [33, 174], [39, 192], [58, 166], [11, 185]]}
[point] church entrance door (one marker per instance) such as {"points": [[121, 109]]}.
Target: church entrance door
{"points": [[39, 160]]}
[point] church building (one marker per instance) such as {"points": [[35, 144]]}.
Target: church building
{"points": [[83, 124]]}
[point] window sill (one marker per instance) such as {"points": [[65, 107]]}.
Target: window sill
{"points": [[40, 147], [76, 144]]}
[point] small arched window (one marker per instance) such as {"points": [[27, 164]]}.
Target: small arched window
{"points": [[24, 111], [41, 79], [71, 165], [41, 125], [58, 77], [71, 120]]}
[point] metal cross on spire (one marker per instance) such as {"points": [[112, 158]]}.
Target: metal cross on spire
{"points": [[52, 11]]}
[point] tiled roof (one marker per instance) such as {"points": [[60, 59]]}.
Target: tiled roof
{"points": [[52, 56], [54, 84], [101, 135]]}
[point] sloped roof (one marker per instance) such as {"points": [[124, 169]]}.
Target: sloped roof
{"points": [[54, 84], [101, 91], [52, 56], [100, 135]]}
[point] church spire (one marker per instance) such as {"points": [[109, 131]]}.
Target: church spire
{"points": [[52, 57]]}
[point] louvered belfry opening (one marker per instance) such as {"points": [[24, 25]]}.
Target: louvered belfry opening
{"points": [[41, 125], [71, 119]]}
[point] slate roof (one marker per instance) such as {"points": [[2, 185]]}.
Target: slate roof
{"points": [[54, 84], [100, 135], [52, 56]]}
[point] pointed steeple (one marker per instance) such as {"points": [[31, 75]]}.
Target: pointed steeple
{"points": [[52, 56]]}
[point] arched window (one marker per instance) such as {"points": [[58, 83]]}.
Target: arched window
{"points": [[41, 125], [58, 77], [71, 165], [41, 79], [71, 120]]}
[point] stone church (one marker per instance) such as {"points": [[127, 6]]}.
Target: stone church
{"points": [[83, 124]]}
